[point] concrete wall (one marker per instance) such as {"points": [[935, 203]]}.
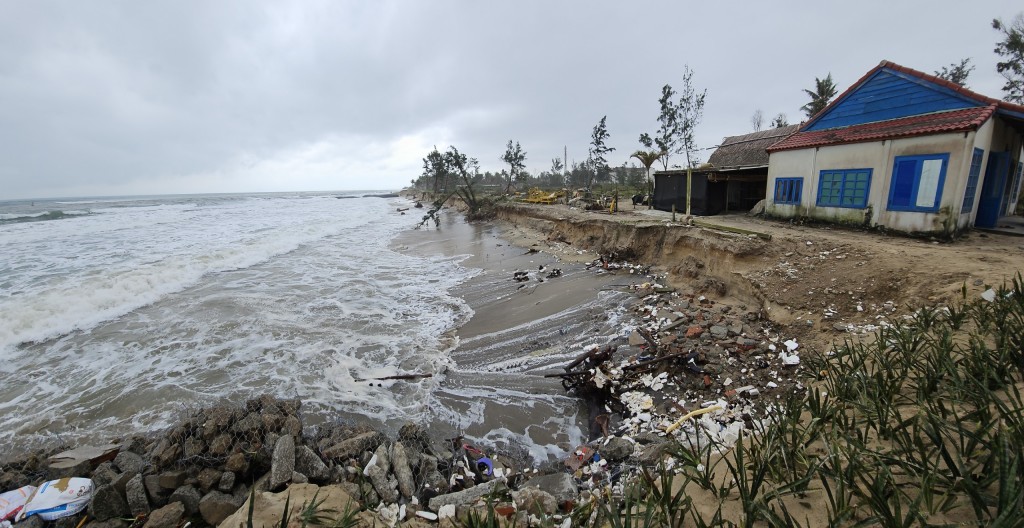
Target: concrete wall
{"points": [[879, 157]]}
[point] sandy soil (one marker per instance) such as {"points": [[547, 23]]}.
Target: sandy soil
{"points": [[822, 283]]}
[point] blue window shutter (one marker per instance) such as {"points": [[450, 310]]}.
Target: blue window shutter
{"points": [[903, 179]]}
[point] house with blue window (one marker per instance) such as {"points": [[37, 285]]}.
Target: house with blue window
{"points": [[904, 150]]}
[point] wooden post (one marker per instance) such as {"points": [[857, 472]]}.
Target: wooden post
{"points": [[689, 187]]}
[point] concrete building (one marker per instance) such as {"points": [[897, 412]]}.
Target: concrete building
{"points": [[903, 150]]}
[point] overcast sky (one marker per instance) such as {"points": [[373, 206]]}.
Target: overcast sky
{"points": [[121, 98]]}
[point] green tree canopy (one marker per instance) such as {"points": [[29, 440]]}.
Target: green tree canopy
{"points": [[956, 73], [824, 91], [1011, 49]]}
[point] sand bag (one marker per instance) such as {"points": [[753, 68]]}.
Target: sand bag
{"points": [[58, 498], [12, 502]]}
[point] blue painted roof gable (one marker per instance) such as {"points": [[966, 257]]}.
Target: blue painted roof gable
{"points": [[889, 94]]}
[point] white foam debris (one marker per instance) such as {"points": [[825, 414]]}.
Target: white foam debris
{"points": [[989, 295], [791, 345]]}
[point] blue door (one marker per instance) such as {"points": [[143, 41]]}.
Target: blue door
{"points": [[992, 189]]}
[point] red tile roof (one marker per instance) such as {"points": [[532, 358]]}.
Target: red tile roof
{"points": [[919, 125]]}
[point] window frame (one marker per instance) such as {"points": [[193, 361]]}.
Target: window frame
{"points": [[973, 178], [795, 190], [843, 187], [915, 189]]}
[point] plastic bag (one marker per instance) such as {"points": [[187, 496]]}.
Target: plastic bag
{"points": [[58, 498], [12, 502]]}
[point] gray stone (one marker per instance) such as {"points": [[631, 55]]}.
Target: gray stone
{"points": [[220, 445], [107, 503], [156, 493], [310, 465], [135, 492], [269, 443], [616, 449], [167, 517], [65, 522], [193, 447], [251, 423], [430, 476], [292, 426], [121, 482], [719, 332], [282, 464], [104, 474], [109, 523], [189, 497], [299, 478], [129, 462], [560, 485], [535, 501], [402, 470], [227, 482], [216, 506], [236, 463], [172, 480], [635, 339], [32, 522], [354, 446], [467, 496], [378, 474], [208, 478]]}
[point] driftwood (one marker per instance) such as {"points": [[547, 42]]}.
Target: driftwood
{"points": [[399, 377]]}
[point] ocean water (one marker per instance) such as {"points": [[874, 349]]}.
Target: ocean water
{"points": [[119, 314]]}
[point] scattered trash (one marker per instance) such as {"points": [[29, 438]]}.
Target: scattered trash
{"points": [[989, 295], [12, 502], [58, 498]]}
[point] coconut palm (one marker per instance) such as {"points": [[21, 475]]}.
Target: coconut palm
{"points": [[824, 91], [647, 158]]}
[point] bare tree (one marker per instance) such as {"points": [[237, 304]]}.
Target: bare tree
{"points": [[757, 120]]}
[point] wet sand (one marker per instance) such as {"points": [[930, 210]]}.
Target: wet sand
{"points": [[519, 331]]}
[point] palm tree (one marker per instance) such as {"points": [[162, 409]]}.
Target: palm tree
{"points": [[824, 91], [647, 158]]}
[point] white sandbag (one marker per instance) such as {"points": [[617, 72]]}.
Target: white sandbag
{"points": [[12, 502], [59, 498]]}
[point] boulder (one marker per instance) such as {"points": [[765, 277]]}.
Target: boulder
{"points": [[465, 497], [535, 501], [208, 478], [268, 508], [402, 470], [237, 463], [167, 517], [189, 497], [107, 503], [157, 494], [135, 493], [560, 485], [310, 465], [250, 424], [282, 463], [227, 482], [378, 473], [292, 426], [129, 462], [109, 523], [173, 479], [104, 474], [352, 447], [616, 449], [216, 506], [220, 445]]}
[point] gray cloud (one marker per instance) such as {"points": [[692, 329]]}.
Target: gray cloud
{"points": [[145, 97]]}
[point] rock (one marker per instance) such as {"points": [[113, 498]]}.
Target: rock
{"points": [[103, 474], [635, 339], [65, 522], [236, 463], [378, 473], [193, 447], [217, 420], [220, 445], [414, 436], [694, 332], [216, 506], [107, 503], [616, 449], [272, 421], [719, 332], [172, 480], [167, 517], [292, 426], [157, 494], [268, 508], [250, 424], [208, 478], [560, 485], [129, 462], [189, 497], [431, 478], [310, 465], [121, 482], [354, 446], [282, 464], [299, 478], [110, 523], [402, 470], [32, 522], [227, 482], [465, 497], [170, 454], [535, 501], [135, 493]]}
